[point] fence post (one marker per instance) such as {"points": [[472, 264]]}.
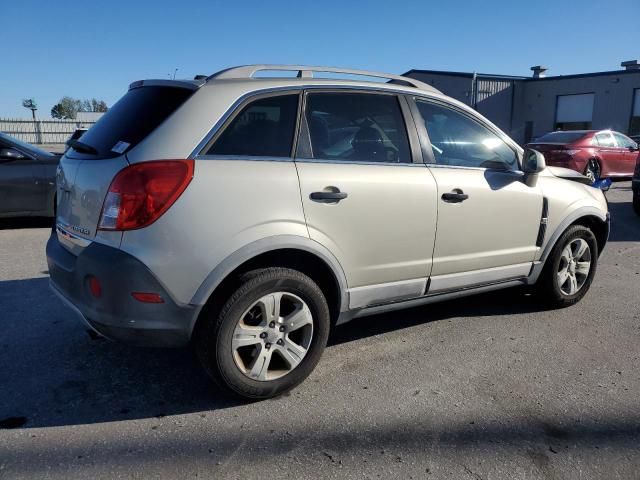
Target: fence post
{"points": [[38, 132]]}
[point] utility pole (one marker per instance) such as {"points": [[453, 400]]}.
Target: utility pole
{"points": [[174, 73], [31, 104]]}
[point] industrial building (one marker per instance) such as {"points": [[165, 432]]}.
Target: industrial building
{"points": [[527, 107]]}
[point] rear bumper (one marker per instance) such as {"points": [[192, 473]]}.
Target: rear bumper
{"points": [[116, 314], [567, 162]]}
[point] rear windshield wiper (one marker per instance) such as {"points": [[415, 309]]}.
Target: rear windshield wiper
{"points": [[81, 147]]}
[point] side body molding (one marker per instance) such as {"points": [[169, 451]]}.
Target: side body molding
{"points": [[264, 245], [587, 211]]}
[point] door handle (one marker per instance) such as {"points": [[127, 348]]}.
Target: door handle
{"points": [[456, 196], [328, 196]]}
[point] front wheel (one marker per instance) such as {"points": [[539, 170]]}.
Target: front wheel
{"points": [[570, 267], [268, 336]]}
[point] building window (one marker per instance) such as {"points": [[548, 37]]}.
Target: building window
{"points": [[634, 125], [574, 112]]}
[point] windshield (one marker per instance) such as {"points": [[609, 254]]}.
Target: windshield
{"points": [[131, 119], [560, 137], [11, 141]]}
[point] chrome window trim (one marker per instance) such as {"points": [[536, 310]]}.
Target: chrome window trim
{"points": [[357, 162], [246, 97], [483, 169], [246, 158]]}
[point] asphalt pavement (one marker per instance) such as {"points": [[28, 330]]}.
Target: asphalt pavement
{"points": [[492, 386]]}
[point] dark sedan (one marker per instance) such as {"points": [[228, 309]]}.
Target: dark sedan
{"points": [[27, 179]]}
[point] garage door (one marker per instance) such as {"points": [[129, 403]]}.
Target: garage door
{"points": [[574, 112]]}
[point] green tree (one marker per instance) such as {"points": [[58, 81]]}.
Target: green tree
{"points": [[98, 105], [69, 107], [66, 108]]}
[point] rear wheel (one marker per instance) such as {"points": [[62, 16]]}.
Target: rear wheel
{"points": [[570, 268], [593, 170], [268, 336]]}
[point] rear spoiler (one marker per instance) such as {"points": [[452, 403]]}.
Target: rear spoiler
{"points": [[190, 84]]}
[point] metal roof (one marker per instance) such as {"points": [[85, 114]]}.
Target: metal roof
{"points": [[525, 79]]}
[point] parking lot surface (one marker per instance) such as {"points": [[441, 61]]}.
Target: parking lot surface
{"points": [[492, 386]]}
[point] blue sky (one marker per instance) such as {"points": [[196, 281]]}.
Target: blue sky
{"points": [[96, 48]]}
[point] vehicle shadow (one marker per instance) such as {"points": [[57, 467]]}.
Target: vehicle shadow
{"points": [[503, 302], [25, 222], [56, 374]]}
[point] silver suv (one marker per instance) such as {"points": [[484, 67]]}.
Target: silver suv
{"points": [[247, 215]]}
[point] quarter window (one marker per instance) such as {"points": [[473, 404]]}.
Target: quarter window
{"points": [[358, 127], [458, 140], [264, 128]]}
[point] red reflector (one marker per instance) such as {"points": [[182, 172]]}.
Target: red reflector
{"points": [[95, 287], [146, 297], [141, 193]]}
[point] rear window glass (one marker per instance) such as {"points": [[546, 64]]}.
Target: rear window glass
{"points": [[132, 118], [560, 137]]}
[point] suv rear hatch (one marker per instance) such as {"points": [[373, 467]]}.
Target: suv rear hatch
{"points": [[87, 169]]}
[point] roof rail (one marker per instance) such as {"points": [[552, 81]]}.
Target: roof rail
{"points": [[306, 71]]}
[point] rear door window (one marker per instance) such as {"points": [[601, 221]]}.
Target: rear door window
{"points": [[604, 139], [263, 128], [131, 119], [357, 127]]}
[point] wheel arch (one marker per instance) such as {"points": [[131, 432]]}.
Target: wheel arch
{"points": [[590, 217], [299, 253]]}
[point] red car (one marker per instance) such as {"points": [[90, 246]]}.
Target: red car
{"points": [[595, 153]]}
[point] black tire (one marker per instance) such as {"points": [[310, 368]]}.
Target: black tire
{"points": [[548, 286], [593, 170], [636, 202], [214, 343]]}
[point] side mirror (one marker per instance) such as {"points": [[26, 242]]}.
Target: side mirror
{"points": [[10, 154], [533, 161], [634, 148]]}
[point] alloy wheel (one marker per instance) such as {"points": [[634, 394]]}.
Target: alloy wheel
{"points": [[592, 172], [574, 267], [273, 336]]}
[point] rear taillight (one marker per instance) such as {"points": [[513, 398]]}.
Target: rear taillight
{"points": [[141, 193], [564, 152]]}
